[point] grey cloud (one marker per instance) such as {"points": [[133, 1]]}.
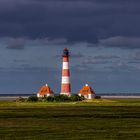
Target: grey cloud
{"points": [[76, 55], [19, 61], [19, 43], [81, 68], [91, 61], [16, 44], [37, 69], [46, 41], [120, 41], [106, 57], [137, 56], [121, 66], [133, 62], [134, 58]]}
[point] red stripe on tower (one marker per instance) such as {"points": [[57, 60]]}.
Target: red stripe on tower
{"points": [[65, 83]]}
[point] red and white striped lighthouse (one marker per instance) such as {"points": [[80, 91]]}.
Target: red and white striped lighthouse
{"points": [[65, 83]]}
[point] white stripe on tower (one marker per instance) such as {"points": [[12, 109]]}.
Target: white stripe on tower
{"points": [[65, 83], [65, 80], [65, 65]]}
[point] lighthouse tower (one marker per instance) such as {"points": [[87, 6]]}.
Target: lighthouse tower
{"points": [[65, 83]]}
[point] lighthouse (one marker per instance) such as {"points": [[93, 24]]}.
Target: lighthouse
{"points": [[65, 81]]}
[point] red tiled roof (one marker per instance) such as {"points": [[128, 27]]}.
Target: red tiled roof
{"points": [[45, 90], [86, 90]]}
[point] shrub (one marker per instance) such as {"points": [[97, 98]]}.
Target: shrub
{"points": [[32, 99], [61, 98], [20, 99], [97, 97], [76, 98], [82, 97], [49, 99], [42, 99]]}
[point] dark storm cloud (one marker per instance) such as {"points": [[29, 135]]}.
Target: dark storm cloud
{"points": [[119, 41], [75, 20], [16, 44], [20, 43]]}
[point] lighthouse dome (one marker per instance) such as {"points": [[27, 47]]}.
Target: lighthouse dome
{"points": [[65, 52]]}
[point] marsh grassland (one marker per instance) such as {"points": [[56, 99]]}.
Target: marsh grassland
{"points": [[90, 120]]}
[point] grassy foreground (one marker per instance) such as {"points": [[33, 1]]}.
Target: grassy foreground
{"points": [[91, 120]]}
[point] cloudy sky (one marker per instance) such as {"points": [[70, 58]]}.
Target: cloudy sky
{"points": [[103, 37]]}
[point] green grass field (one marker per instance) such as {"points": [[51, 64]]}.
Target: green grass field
{"points": [[91, 120]]}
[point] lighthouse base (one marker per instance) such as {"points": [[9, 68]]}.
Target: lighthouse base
{"points": [[64, 93]]}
